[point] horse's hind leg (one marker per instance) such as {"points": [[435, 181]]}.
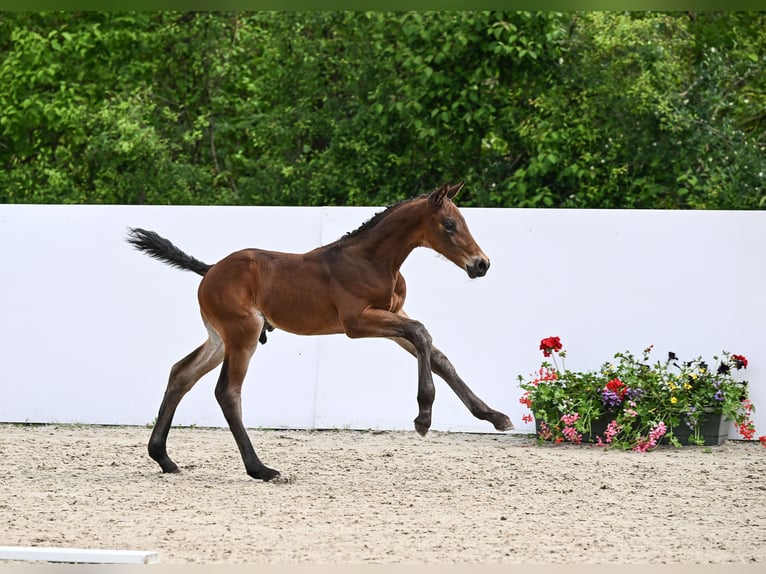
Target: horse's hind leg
{"points": [[442, 367], [240, 347], [184, 374], [478, 408]]}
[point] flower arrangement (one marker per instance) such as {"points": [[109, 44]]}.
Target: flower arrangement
{"points": [[633, 404]]}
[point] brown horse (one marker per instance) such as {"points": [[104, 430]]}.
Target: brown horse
{"points": [[351, 286]]}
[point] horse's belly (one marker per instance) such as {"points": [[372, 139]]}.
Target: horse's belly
{"points": [[303, 318]]}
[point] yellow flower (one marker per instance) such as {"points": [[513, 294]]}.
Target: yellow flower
{"points": [[687, 386], [673, 400]]}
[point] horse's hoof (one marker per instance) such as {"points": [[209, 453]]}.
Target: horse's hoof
{"points": [[503, 423], [265, 474], [171, 472], [170, 468], [421, 428], [280, 479]]}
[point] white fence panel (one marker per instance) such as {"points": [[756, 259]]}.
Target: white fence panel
{"points": [[92, 326]]}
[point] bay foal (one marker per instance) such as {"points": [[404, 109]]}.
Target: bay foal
{"points": [[351, 286]]}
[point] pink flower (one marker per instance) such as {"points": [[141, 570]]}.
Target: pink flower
{"points": [[545, 431], [658, 432], [569, 420], [571, 434], [612, 430], [654, 437]]}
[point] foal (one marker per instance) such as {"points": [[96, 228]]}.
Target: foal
{"points": [[351, 286]]}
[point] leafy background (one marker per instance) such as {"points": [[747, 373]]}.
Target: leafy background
{"points": [[532, 109]]}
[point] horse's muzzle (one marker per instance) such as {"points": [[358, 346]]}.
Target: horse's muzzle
{"points": [[478, 268]]}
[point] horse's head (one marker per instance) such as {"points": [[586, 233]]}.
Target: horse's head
{"points": [[449, 235]]}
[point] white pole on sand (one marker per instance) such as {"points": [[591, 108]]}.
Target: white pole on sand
{"points": [[78, 555]]}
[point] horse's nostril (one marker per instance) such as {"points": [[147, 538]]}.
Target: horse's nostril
{"points": [[478, 268]]}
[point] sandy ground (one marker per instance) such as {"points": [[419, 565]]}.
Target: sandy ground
{"points": [[390, 497]]}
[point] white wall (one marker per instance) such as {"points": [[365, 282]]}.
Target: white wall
{"points": [[91, 326]]}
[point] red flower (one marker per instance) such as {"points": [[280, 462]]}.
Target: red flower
{"points": [[762, 438], [617, 387], [746, 429], [550, 345], [525, 400], [527, 418], [544, 375], [740, 361]]}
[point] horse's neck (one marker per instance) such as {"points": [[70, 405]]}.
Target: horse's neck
{"points": [[394, 237]]}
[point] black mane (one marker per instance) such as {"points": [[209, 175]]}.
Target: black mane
{"points": [[377, 218]]}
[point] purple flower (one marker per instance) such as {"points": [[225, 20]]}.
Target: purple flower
{"points": [[610, 398], [718, 396]]}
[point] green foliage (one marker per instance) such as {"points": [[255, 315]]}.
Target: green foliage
{"points": [[637, 117], [532, 109]]}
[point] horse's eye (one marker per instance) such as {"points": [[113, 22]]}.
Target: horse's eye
{"points": [[449, 225]]}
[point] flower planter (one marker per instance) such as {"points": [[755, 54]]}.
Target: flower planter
{"points": [[597, 428], [634, 403], [714, 430]]}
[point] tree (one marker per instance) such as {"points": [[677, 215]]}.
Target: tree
{"points": [[532, 109]]}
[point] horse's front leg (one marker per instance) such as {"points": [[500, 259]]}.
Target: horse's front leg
{"points": [[426, 388], [378, 323], [478, 408]]}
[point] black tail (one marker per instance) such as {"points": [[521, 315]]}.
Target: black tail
{"points": [[160, 248]]}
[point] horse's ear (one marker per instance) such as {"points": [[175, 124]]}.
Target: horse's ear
{"points": [[437, 196], [452, 191]]}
